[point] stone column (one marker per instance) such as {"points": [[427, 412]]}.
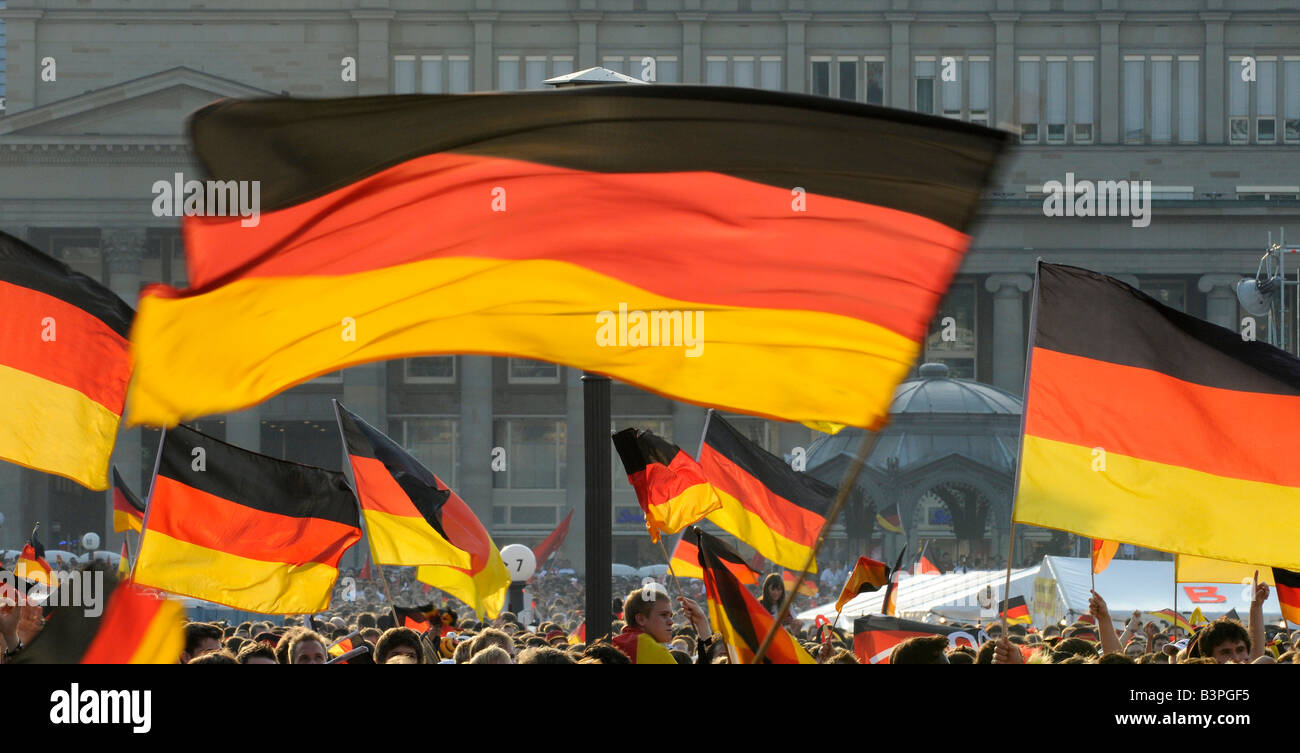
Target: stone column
{"points": [[900, 60], [692, 52], [1220, 300], [1008, 329], [796, 53], [587, 55], [124, 250], [1004, 92], [1108, 73], [23, 75], [475, 477], [575, 479], [1215, 85], [373, 59], [484, 62]]}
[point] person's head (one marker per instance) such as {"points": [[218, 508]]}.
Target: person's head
{"points": [[366, 620], [843, 656], [307, 647], [1080, 630], [491, 655], [545, 655], [1160, 658], [1135, 648], [962, 655], [370, 635], [233, 644], [985, 653], [464, 650], [215, 657], [256, 653], [492, 637], [1115, 657], [399, 642], [1073, 647], [773, 590], [648, 609], [200, 638], [603, 653], [928, 649], [1223, 640]]}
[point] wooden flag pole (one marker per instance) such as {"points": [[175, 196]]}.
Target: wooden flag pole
{"points": [[676, 584], [1006, 589], [383, 578], [864, 450]]}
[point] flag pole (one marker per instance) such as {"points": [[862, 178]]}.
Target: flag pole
{"points": [[676, 584], [1006, 589], [864, 450], [148, 504], [383, 578]]}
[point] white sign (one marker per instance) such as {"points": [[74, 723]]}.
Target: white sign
{"points": [[520, 561]]}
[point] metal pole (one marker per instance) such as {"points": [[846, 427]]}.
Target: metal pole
{"points": [[599, 504]]}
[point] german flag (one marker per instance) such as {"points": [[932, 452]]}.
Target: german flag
{"points": [[925, 567], [890, 603], [413, 618], [685, 563], [669, 484], [765, 503], [1191, 569], [249, 531], [31, 565], [432, 231], [553, 542], [1147, 410], [136, 627], [344, 644], [124, 564], [1288, 593], [807, 588], [400, 499], [128, 510], [889, 519], [64, 366], [736, 614], [868, 575], [1015, 610], [874, 636], [1103, 552], [1173, 618], [579, 635]]}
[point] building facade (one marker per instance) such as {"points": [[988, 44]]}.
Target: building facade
{"points": [[1199, 99]]}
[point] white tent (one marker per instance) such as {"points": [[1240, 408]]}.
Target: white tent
{"points": [[1057, 588]]}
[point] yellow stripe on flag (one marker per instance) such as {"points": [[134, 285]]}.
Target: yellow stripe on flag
{"points": [[409, 542], [750, 528], [1192, 569], [58, 431], [164, 641], [484, 592]]}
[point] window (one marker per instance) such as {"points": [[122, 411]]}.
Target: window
{"points": [[525, 371], [1189, 99], [1172, 293], [535, 453], [164, 258], [1268, 193], [430, 370], [1162, 73], [1266, 100], [950, 92], [431, 74], [743, 70], [1029, 100], [432, 440], [1056, 94], [979, 90], [848, 77], [924, 85], [516, 73], [1291, 101], [79, 248], [1238, 104], [664, 70], [613, 63], [1134, 99], [952, 338], [1083, 98]]}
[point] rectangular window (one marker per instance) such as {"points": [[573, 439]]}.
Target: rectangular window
{"points": [[1238, 104], [561, 65], [770, 72], [432, 440], [848, 70], [1291, 99], [821, 77], [526, 371], [875, 81], [535, 72], [1056, 94], [924, 85], [1134, 99], [614, 63], [743, 71], [1083, 98], [458, 74], [431, 75], [1266, 101], [535, 453], [508, 73], [1162, 72], [950, 94], [952, 337], [404, 74], [715, 71], [1189, 99], [430, 370], [979, 90], [666, 70], [1029, 100]]}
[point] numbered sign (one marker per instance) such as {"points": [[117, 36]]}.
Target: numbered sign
{"points": [[520, 561]]}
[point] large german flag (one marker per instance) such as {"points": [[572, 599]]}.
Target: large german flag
{"points": [[765, 503], [128, 510], [1288, 593], [805, 230], [401, 501], [874, 636], [669, 484], [868, 575], [137, 627], [1143, 424], [483, 584], [736, 614], [64, 366], [1015, 610], [685, 563], [249, 531]]}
